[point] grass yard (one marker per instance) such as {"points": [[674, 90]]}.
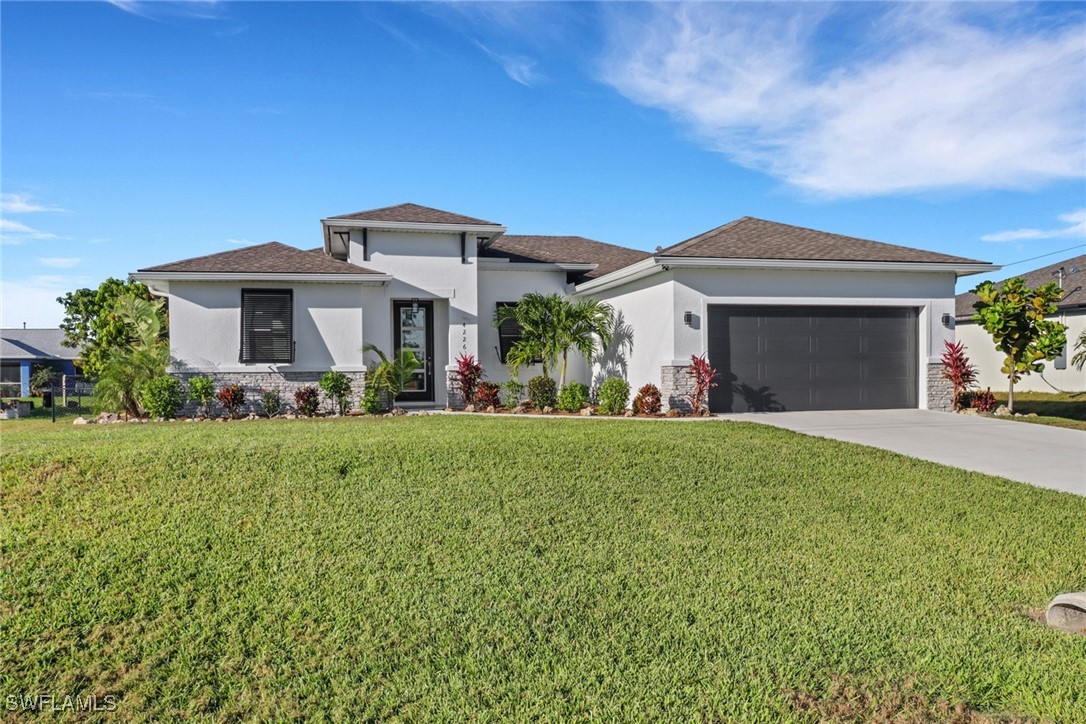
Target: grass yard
{"points": [[452, 567], [1060, 409]]}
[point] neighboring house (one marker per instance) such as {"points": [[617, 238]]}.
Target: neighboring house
{"points": [[1059, 374], [25, 351], [793, 318]]}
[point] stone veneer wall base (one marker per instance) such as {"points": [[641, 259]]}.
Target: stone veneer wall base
{"points": [[254, 382], [940, 389], [675, 386]]}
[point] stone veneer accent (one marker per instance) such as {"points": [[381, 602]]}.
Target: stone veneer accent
{"points": [[940, 390], [675, 385], [453, 398], [253, 382]]}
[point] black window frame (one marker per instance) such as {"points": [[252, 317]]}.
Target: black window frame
{"points": [[248, 351]]}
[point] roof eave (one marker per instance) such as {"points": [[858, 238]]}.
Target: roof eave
{"points": [[492, 231], [658, 263], [147, 277]]}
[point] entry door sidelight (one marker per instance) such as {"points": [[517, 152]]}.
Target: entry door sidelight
{"points": [[414, 330]]}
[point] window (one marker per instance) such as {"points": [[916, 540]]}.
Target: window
{"points": [[10, 380], [267, 325], [509, 334]]}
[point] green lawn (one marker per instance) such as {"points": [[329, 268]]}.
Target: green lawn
{"points": [[452, 567], [1060, 409]]}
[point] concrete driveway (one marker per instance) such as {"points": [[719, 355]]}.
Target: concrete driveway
{"points": [[1048, 457]]}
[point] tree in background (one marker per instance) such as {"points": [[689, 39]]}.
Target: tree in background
{"points": [[140, 357], [1079, 360], [1014, 314], [93, 324]]}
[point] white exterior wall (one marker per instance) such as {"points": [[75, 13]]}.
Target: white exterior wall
{"points": [[509, 285], [981, 351], [654, 306], [205, 325], [648, 307]]}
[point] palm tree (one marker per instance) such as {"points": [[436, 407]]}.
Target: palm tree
{"points": [[551, 325], [1079, 360], [393, 375], [142, 358], [584, 325]]}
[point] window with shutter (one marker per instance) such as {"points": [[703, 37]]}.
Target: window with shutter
{"points": [[267, 325], [509, 334]]}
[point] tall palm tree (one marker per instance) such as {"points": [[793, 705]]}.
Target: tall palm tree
{"points": [[143, 357]]}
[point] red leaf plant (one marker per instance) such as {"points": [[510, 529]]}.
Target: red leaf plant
{"points": [[468, 374], [704, 380], [959, 370]]}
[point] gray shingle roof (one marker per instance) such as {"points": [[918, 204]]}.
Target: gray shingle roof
{"points": [[750, 238], [34, 344], [269, 258], [1074, 285], [413, 213], [565, 249]]}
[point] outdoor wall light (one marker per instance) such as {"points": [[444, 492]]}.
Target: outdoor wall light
{"points": [[688, 319], [948, 321], [415, 305]]}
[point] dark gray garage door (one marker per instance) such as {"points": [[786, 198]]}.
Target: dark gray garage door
{"points": [[813, 358]]}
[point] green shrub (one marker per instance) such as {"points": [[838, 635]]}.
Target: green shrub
{"points": [[511, 393], [307, 399], [271, 402], [231, 397], [647, 401], [371, 402], [614, 393], [573, 397], [162, 396], [337, 386], [202, 392], [542, 392]]}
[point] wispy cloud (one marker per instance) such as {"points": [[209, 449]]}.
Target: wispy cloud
{"points": [[163, 9], [59, 262], [240, 242], [1074, 225], [24, 204], [521, 69], [914, 97], [15, 232]]}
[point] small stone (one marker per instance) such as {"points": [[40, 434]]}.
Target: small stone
{"points": [[469, 408], [253, 416], [519, 410], [81, 421], [449, 409], [490, 409], [628, 413], [968, 411], [548, 410], [674, 412], [1002, 411], [1031, 414], [397, 411], [587, 412]]}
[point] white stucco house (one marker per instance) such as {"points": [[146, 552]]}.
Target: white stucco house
{"points": [[793, 318], [1059, 374]]}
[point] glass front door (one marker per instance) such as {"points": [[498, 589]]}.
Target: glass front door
{"points": [[414, 331]]}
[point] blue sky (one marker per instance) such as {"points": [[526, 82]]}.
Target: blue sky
{"points": [[136, 133]]}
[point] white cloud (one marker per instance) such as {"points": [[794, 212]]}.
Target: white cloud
{"points": [[160, 9], [23, 204], [1075, 226], [59, 262], [240, 242], [34, 300], [518, 67], [922, 96], [15, 232]]}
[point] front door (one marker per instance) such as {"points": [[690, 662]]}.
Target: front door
{"points": [[414, 330]]}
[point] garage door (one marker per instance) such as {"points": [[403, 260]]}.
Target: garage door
{"points": [[813, 358]]}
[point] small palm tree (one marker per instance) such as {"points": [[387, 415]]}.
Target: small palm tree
{"points": [[144, 357], [551, 325], [1079, 360], [392, 375]]}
